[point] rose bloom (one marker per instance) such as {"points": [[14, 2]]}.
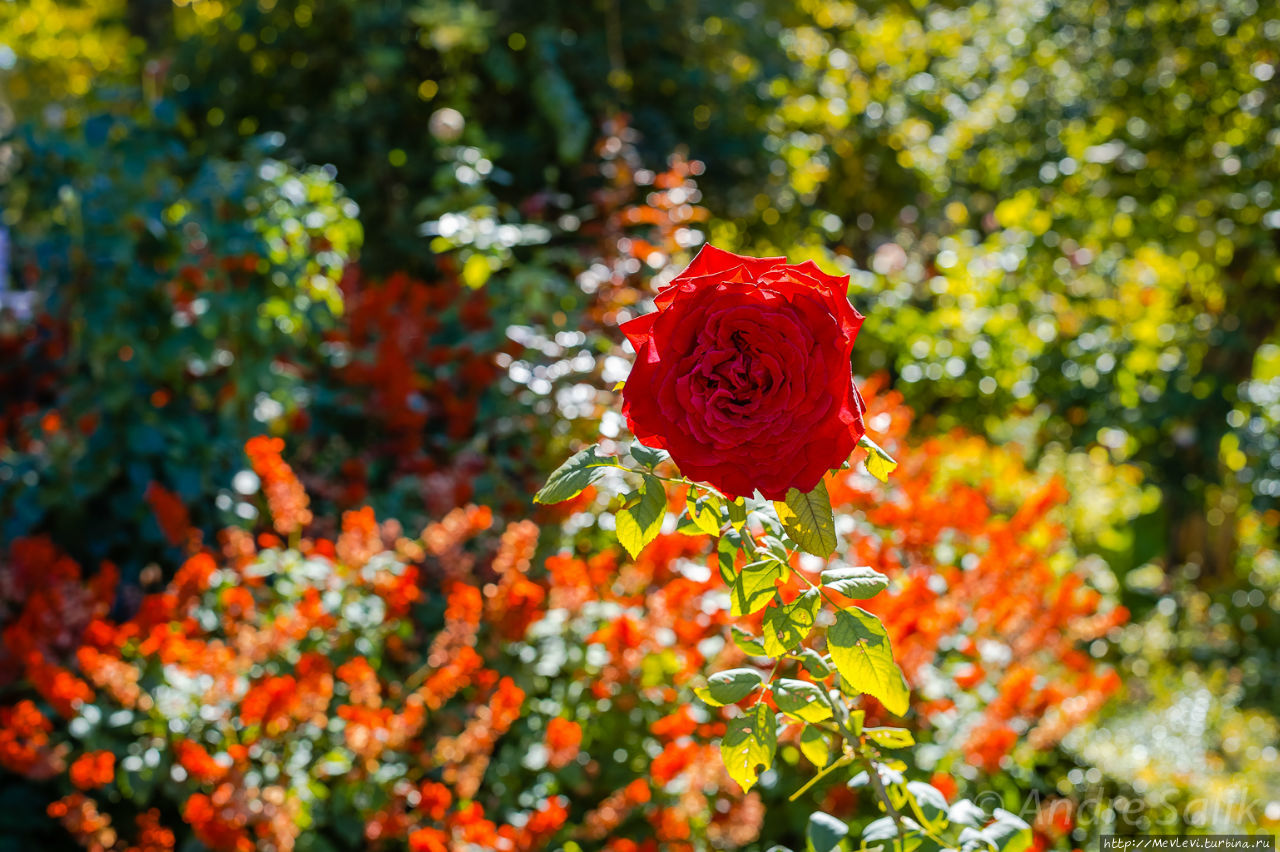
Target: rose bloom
{"points": [[742, 374]]}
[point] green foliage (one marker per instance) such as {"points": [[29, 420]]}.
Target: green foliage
{"points": [[641, 519], [861, 652], [787, 625], [578, 471], [749, 745], [854, 581], [755, 585], [179, 287], [807, 518], [730, 687], [825, 832]]}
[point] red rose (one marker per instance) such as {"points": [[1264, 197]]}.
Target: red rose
{"points": [[742, 374]]}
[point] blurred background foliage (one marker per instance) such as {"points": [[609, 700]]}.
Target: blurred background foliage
{"points": [[402, 234]]}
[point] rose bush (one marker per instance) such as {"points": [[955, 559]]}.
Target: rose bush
{"points": [[742, 374]]}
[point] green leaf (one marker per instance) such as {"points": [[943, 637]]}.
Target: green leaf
{"points": [[748, 746], [879, 463], [648, 456], [787, 625], [568, 480], [727, 556], [854, 581], [813, 663], [928, 803], [1009, 833], [862, 654], [965, 812], [686, 526], [738, 513], [704, 512], [801, 699], [748, 643], [640, 523], [890, 737], [886, 828], [825, 831], [808, 520], [729, 686], [753, 588], [814, 746], [856, 718]]}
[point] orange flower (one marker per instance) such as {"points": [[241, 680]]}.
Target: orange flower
{"points": [[428, 840], [198, 763], [564, 737], [93, 769], [286, 498]]}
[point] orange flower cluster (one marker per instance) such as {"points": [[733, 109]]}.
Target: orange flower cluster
{"points": [[1014, 620], [286, 498], [80, 816], [408, 382], [25, 745], [45, 607], [93, 769], [564, 739], [232, 658]]}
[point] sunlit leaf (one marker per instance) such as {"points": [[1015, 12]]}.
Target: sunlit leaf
{"points": [[879, 463], [726, 556], [704, 511], [808, 520], [748, 643], [890, 737], [748, 746], [753, 587], [729, 686], [861, 652], [639, 523], [825, 832], [854, 581], [813, 662], [801, 699], [928, 803], [787, 625], [814, 746], [1009, 832], [647, 456], [579, 471]]}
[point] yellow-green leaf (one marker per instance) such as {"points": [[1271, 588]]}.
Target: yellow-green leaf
{"points": [[787, 625], [879, 463], [753, 587], [704, 512], [748, 643], [729, 686], [748, 746], [580, 470], [814, 746], [738, 513], [860, 649], [890, 737], [855, 581], [801, 699], [808, 520], [639, 523]]}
